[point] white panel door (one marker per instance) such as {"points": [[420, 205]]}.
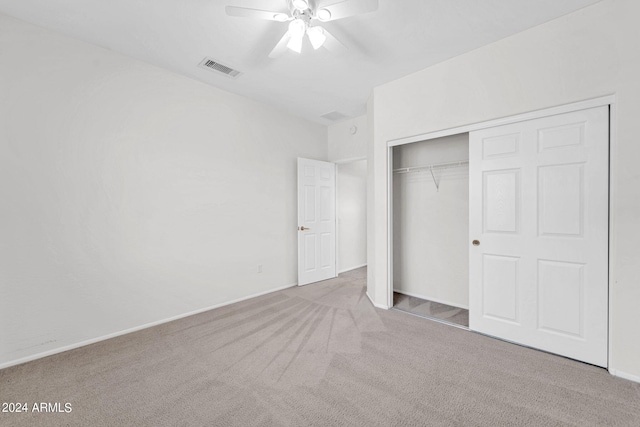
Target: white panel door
{"points": [[539, 229], [316, 221]]}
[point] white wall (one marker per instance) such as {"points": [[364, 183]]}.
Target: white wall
{"points": [[343, 145], [352, 215], [431, 224], [131, 194], [586, 54]]}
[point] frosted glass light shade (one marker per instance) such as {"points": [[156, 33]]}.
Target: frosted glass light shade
{"points": [[297, 28], [295, 44], [316, 36]]}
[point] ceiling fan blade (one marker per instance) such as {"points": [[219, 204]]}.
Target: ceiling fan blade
{"points": [[332, 44], [244, 12], [348, 8], [281, 47]]}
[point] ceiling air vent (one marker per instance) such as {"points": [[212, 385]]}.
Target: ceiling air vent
{"points": [[210, 64], [333, 116]]}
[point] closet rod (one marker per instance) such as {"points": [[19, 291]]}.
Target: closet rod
{"points": [[431, 167]]}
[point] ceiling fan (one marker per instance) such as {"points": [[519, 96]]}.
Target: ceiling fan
{"points": [[301, 15]]}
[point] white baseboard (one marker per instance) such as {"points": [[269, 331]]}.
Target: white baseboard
{"points": [[440, 301], [351, 268], [134, 329], [624, 375], [384, 307]]}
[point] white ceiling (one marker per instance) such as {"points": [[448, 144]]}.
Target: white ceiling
{"points": [[401, 37]]}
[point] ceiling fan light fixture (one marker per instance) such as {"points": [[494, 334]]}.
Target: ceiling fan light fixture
{"points": [[301, 5], [280, 17], [297, 28], [323, 15], [295, 44], [316, 36]]}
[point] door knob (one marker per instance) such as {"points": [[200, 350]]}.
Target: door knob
{"points": [[303, 228], [476, 243]]}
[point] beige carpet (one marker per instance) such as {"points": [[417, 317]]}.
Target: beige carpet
{"points": [[316, 355]]}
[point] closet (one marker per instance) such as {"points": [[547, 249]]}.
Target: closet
{"points": [[431, 228], [507, 225]]}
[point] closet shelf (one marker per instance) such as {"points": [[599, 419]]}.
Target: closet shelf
{"points": [[432, 167]]}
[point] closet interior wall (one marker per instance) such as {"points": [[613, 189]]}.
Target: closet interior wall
{"points": [[431, 220]]}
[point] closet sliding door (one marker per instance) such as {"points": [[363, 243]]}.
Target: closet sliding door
{"points": [[538, 259]]}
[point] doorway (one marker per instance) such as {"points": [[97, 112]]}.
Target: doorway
{"points": [[332, 220], [351, 206]]}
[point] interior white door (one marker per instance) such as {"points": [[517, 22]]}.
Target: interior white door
{"points": [[538, 262], [316, 221]]}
